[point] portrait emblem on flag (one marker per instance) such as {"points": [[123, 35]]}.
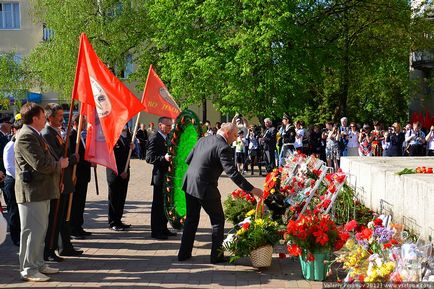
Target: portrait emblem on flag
{"points": [[164, 93], [102, 101]]}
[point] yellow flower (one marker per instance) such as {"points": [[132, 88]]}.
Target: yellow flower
{"points": [[259, 222], [272, 191], [251, 212], [240, 231]]}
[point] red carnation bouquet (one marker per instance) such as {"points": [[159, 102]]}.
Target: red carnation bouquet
{"points": [[314, 233]]}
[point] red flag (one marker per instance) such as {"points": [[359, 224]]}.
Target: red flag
{"points": [[157, 99], [96, 86], [97, 150]]}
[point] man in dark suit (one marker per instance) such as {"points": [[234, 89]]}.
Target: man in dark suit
{"points": [[156, 154], [209, 158], [118, 184], [82, 180], [37, 182], [51, 133], [269, 142], [142, 138]]}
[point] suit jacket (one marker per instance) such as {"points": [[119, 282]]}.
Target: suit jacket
{"points": [[83, 166], [33, 154], [56, 142], [142, 136], [206, 162], [121, 150], [270, 139], [157, 149]]}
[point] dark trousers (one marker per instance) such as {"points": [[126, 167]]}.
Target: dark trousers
{"points": [[49, 248], [431, 153], [117, 194], [142, 155], [158, 216], [416, 151], [12, 207], [78, 204], [270, 159], [64, 226], [214, 209]]}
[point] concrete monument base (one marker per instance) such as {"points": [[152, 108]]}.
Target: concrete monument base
{"points": [[408, 198]]}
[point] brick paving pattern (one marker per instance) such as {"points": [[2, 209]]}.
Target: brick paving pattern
{"points": [[132, 259]]}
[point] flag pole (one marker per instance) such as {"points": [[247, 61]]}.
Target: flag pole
{"points": [[137, 124], [74, 169], [96, 180]]}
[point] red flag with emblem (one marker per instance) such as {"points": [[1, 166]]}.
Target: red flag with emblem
{"points": [[157, 99], [106, 101]]}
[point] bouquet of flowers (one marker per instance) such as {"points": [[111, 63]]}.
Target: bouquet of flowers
{"points": [[314, 233], [237, 205], [253, 233], [367, 255]]}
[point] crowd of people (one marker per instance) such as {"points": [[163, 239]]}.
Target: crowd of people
{"points": [[266, 145]]}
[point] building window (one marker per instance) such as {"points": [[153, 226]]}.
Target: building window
{"points": [[10, 15]]}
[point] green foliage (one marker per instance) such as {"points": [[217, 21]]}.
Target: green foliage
{"points": [[180, 141], [317, 60], [187, 141], [347, 207], [13, 79], [115, 28], [236, 209]]}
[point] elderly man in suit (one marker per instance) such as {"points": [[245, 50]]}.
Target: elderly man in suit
{"points": [[51, 133], [156, 154], [37, 182], [209, 158]]}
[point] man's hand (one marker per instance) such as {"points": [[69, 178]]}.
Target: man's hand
{"points": [[77, 157], [124, 175], [131, 146], [2, 176], [168, 157], [64, 162], [256, 192]]}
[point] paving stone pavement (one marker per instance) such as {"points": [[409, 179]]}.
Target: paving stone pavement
{"points": [[132, 259]]}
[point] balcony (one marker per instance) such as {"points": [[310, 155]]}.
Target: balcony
{"points": [[422, 60]]}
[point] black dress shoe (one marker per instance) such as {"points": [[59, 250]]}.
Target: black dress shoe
{"points": [[183, 257], [53, 258], [169, 233], [117, 228], [219, 260], [85, 233], [159, 236], [71, 252], [77, 236], [126, 226]]}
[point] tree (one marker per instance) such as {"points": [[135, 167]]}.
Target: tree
{"points": [[118, 30], [13, 78]]}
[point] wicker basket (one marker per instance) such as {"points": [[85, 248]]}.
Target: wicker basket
{"points": [[262, 256]]}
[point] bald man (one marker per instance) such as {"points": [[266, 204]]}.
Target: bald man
{"points": [[209, 158]]}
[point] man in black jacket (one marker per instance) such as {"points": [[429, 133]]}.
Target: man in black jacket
{"points": [[269, 141], [142, 138], [82, 180], [118, 184], [51, 133], [156, 154], [209, 158]]}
